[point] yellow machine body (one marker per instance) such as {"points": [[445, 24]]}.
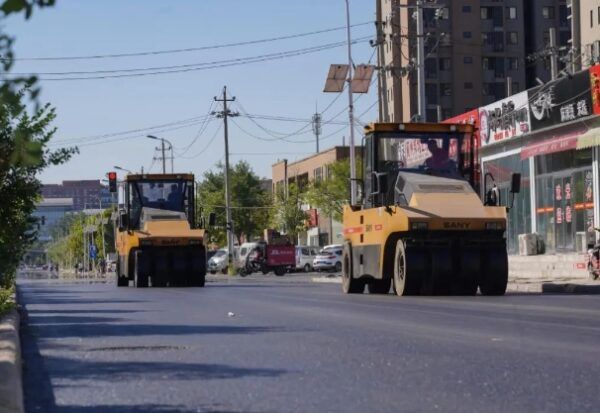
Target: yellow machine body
{"points": [[155, 238], [428, 234]]}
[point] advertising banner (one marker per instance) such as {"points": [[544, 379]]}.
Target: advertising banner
{"points": [[595, 85], [561, 101], [505, 119]]}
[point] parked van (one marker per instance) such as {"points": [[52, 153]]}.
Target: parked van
{"points": [[245, 248], [305, 256]]}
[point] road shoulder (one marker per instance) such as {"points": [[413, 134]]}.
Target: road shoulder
{"points": [[11, 385]]}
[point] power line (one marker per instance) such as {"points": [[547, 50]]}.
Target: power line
{"points": [[212, 139], [200, 130], [185, 50], [123, 73]]}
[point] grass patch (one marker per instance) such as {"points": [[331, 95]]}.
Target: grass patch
{"points": [[6, 301]]}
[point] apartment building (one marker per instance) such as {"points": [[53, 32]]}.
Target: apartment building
{"points": [[476, 51], [589, 30], [85, 193]]}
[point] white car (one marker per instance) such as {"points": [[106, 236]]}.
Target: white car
{"points": [[329, 258], [218, 262], [304, 257]]}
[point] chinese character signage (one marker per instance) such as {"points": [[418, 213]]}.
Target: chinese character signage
{"points": [[561, 101], [505, 119], [595, 85]]}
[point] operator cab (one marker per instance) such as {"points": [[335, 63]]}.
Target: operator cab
{"points": [[394, 150], [165, 196]]}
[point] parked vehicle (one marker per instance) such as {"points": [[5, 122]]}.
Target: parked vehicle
{"points": [[245, 249], [268, 257], [218, 262], [329, 258], [305, 256], [594, 260]]}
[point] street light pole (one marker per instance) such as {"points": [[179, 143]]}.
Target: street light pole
{"points": [[351, 111], [163, 140]]}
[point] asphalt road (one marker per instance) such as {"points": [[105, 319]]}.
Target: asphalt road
{"points": [[302, 347]]}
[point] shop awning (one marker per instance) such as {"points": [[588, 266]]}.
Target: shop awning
{"points": [[589, 139], [555, 144]]}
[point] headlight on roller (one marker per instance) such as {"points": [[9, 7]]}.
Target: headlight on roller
{"points": [[419, 226], [493, 226]]}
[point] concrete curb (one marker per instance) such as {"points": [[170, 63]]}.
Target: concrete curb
{"points": [[535, 287], [11, 385]]}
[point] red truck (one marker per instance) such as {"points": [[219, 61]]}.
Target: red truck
{"points": [[268, 257]]}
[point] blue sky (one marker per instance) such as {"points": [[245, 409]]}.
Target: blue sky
{"points": [[288, 87]]}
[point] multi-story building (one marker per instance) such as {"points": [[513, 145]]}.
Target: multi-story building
{"points": [[52, 210], [473, 50], [324, 230], [589, 30], [85, 194]]}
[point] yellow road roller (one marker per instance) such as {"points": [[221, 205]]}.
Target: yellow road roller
{"points": [[421, 228], [158, 240]]}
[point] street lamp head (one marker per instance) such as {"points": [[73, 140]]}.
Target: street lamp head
{"points": [[152, 137]]}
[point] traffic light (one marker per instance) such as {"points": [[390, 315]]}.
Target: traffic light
{"points": [[112, 181]]}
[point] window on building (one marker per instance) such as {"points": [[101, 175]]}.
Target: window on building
{"points": [[430, 68], [467, 35], [487, 89], [468, 85], [511, 13], [485, 63], [485, 38], [598, 15], [445, 63], [563, 20], [513, 38], [563, 37], [591, 18], [515, 87], [431, 93], [548, 12], [318, 174], [466, 9], [467, 60], [446, 89], [485, 13], [445, 13], [546, 37]]}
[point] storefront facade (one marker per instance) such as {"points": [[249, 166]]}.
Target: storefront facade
{"points": [[549, 134]]}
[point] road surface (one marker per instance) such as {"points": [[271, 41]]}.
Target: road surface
{"points": [[275, 345]]}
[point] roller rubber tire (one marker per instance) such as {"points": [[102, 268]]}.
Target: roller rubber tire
{"points": [[379, 286], [121, 281], [494, 277], [141, 280], [350, 285], [405, 282]]}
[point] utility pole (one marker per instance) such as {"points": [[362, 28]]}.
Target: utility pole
{"points": [[381, 73], [351, 111], [575, 35], [163, 155], [553, 54], [420, 63], [229, 224], [316, 126]]}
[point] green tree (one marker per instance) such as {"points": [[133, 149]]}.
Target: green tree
{"points": [[250, 203], [288, 215], [67, 246], [331, 194], [23, 143]]}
